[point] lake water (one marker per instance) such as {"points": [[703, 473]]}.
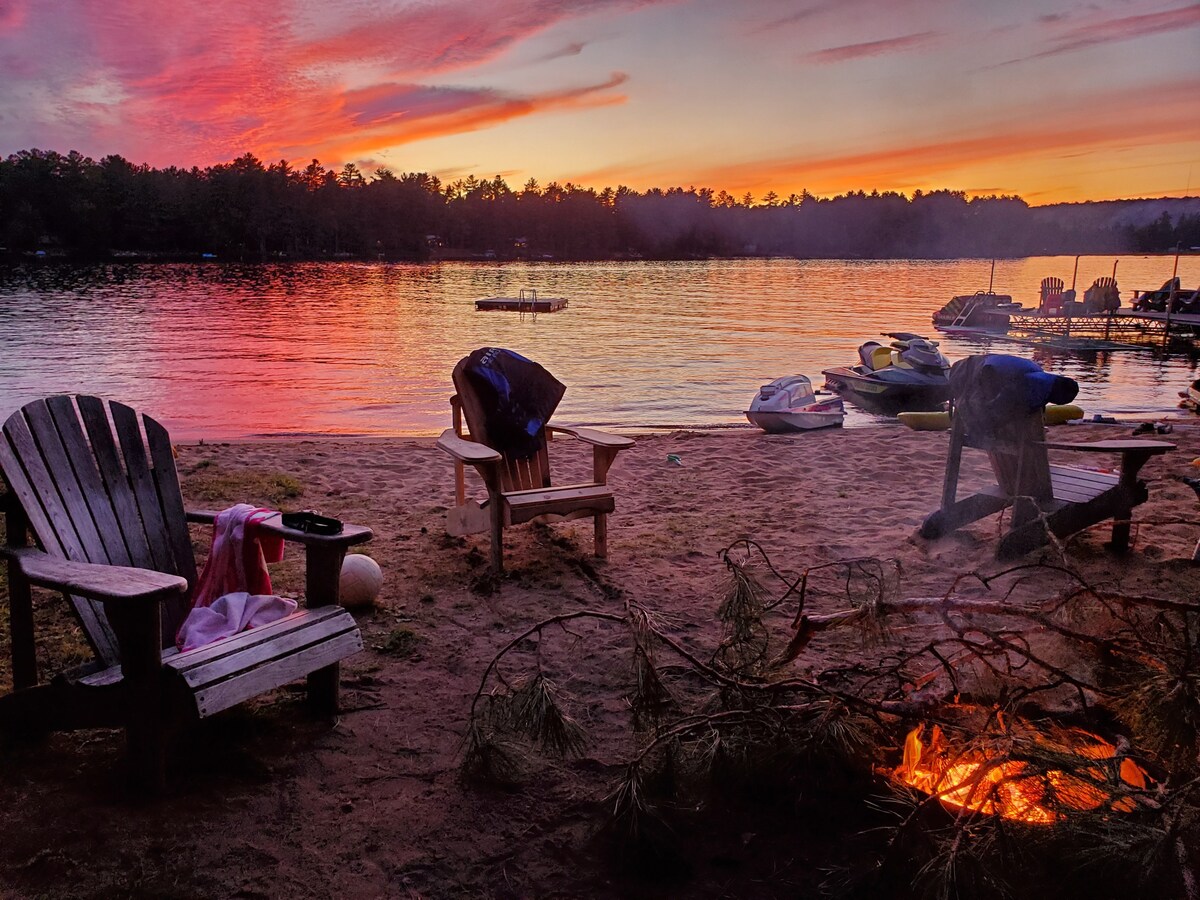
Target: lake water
{"points": [[220, 351]]}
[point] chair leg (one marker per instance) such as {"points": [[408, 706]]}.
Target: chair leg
{"points": [[497, 535], [602, 535], [497, 546], [323, 690], [323, 586], [138, 629], [146, 736]]}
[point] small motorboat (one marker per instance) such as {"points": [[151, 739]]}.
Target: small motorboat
{"points": [[790, 404], [973, 313], [909, 374]]}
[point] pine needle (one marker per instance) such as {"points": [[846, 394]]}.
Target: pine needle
{"points": [[744, 648], [488, 760], [536, 711]]}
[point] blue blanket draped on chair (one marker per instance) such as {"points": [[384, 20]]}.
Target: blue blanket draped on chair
{"points": [[518, 396]]}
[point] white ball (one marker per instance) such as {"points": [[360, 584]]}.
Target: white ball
{"points": [[360, 581]]}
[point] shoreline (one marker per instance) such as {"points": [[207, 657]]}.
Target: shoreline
{"points": [[1182, 420]]}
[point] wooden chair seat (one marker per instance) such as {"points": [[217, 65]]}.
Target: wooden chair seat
{"points": [[225, 673], [1069, 485], [577, 499]]}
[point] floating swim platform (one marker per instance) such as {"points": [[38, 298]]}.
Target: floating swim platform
{"points": [[523, 304]]}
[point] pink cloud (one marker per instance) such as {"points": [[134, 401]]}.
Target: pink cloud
{"points": [[450, 35], [872, 48], [12, 15], [1124, 29], [183, 84]]}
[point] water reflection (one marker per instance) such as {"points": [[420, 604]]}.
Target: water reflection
{"points": [[232, 350]]}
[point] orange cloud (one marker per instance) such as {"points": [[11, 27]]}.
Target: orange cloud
{"points": [[997, 149]]}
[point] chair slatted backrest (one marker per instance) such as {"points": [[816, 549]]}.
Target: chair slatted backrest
{"points": [[1051, 286], [1052, 293], [515, 474], [1019, 460], [95, 490], [1013, 445]]}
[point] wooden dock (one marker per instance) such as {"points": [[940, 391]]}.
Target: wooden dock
{"points": [[1120, 327], [527, 302], [1119, 330]]}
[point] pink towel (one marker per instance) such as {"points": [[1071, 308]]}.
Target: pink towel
{"points": [[237, 563]]}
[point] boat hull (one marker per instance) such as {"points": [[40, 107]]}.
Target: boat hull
{"points": [[881, 396], [792, 421]]}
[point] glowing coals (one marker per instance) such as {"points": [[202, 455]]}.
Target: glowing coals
{"points": [[1019, 789]]}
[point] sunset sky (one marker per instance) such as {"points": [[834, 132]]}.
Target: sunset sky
{"points": [[1056, 100]]}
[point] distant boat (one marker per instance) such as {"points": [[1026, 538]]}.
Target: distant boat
{"points": [[972, 313], [790, 404]]}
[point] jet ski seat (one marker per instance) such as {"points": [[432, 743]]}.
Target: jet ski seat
{"points": [[875, 356]]}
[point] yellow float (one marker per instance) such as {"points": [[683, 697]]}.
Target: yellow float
{"points": [[1056, 414]]}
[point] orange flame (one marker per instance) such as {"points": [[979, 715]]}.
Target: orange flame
{"points": [[973, 781]]}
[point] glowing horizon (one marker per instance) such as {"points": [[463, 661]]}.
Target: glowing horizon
{"points": [[1053, 101]]}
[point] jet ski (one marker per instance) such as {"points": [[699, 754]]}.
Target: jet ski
{"points": [[908, 374], [790, 404]]}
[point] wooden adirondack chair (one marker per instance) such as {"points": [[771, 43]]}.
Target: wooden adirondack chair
{"points": [[520, 490], [103, 502], [1103, 296], [1051, 300], [1043, 498]]}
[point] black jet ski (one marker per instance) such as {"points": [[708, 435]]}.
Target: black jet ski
{"points": [[909, 374]]}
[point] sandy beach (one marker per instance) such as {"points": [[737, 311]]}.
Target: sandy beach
{"points": [[267, 802]]}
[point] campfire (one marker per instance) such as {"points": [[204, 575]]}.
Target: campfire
{"points": [[1026, 774]]}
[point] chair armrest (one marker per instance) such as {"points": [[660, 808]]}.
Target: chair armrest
{"points": [[350, 535], [593, 436], [466, 451], [97, 582], [1150, 448]]}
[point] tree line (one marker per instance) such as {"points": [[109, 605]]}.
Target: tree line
{"points": [[70, 205]]}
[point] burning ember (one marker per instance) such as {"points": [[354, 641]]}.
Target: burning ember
{"points": [[1072, 770]]}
